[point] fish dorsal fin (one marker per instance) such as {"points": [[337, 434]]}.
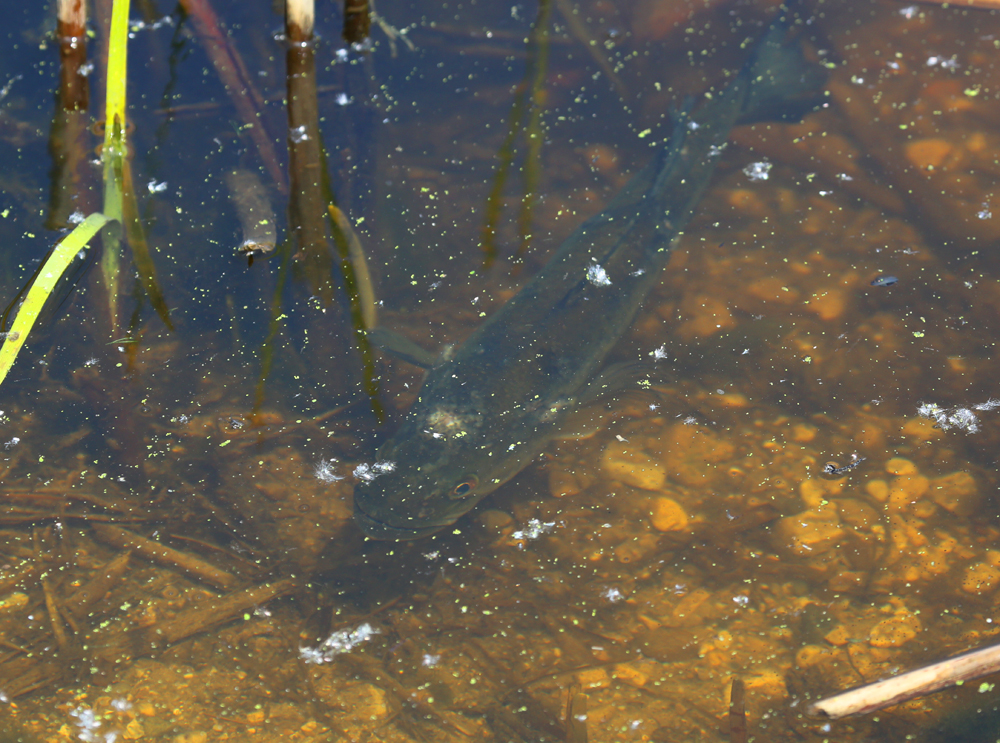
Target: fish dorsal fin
{"points": [[403, 348]]}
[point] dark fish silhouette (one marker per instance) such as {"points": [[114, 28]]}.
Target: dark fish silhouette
{"points": [[492, 405]]}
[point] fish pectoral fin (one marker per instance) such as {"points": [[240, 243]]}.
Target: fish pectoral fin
{"points": [[617, 379], [402, 348], [620, 388], [586, 419], [584, 422]]}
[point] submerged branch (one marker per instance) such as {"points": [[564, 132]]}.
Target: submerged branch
{"points": [[159, 553], [910, 685]]}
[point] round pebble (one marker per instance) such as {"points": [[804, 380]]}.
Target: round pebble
{"points": [[981, 578], [668, 515], [878, 489], [894, 631], [900, 466], [633, 467]]}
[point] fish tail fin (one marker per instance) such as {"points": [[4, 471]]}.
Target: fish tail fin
{"points": [[784, 85]]}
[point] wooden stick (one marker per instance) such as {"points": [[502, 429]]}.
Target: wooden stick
{"points": [[216, 611], [55, 619], [164, 555], [86, 597], [737, 713], [357, 21], [910, 685], [299, 18], [72, 16]]}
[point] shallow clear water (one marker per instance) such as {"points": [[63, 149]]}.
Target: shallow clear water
{"points": [[612, 590]]}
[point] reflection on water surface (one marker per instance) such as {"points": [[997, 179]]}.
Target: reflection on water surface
{"points": [[177, 555]]}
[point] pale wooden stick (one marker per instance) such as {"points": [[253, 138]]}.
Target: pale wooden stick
{"points": [[72, 16], [299, 18], [981, 4], [910, 685]]}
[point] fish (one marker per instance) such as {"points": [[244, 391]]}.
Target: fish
{"points": [[490, 406], [884, 281]]}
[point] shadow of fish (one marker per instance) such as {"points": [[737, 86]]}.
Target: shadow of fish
{"points": [[491, 406]]}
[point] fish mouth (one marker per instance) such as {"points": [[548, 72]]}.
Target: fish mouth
{"points": [[375, 529]]}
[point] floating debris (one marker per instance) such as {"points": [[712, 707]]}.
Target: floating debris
{"points": [[884, 281], [597, 276], [87, 725], [834, 469], [962, 418], [341, 641], [660, 353], [368, 472], [535, 529], [5, 90], [758, 171], [324, 471]]}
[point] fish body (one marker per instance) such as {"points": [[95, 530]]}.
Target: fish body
{"points": [[884, 281], [493, 404]]}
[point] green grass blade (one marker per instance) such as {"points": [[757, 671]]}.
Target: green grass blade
{"points": [[40, 290], [115, 150], [114, 111]]}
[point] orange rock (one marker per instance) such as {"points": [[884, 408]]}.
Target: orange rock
{"points": [[603, 159], [928, 153], [710, 316], [829, 305]]}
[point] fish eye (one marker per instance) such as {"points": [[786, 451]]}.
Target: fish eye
{"points": [[465, 487]]}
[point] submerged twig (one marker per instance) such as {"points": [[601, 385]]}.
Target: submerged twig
{"points": [[55, 618], [363, 667], [87, 596], [910, 685], [21, 576], [216, 611], [737, 713], [576, 715], [578, 28], [164, 555]]}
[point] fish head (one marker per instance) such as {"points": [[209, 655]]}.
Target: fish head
{"points": [[438, 466], [418, 486]]}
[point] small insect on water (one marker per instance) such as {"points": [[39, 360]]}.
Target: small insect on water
{"points": [[836, 470], [885, 281]]}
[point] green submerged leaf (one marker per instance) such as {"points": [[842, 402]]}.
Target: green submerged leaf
{"points": [[60, 259]]}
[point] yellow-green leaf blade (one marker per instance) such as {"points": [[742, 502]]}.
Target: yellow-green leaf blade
{"points": [[43, 285]]}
